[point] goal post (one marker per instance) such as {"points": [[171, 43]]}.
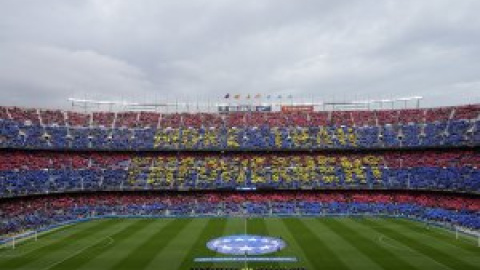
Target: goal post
{"points": [[14, 240]]}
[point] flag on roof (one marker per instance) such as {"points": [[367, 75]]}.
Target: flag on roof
{"points": [[237, 96], [227, 96]]}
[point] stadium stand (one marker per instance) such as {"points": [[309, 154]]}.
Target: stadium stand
{"points": [[406, 128], [50, 172], [31, 212], [62, 165]]}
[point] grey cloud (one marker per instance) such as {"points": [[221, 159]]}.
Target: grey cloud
{"points": [[141, 50], [40, 75]]}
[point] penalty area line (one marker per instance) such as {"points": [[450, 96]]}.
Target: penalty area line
{"points": [[110, 241]]}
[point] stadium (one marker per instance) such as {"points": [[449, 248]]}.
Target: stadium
{"points": [[260, 189], [239, 135]]}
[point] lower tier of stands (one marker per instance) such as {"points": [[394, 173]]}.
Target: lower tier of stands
{"points": [[39, 172], [27, 213]]}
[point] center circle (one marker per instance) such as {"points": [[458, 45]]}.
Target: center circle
{"points": [[246, 244]]}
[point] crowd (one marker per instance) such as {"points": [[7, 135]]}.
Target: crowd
{"points": [[34, 161], [53, 129], [34, 172], [18, 214]]}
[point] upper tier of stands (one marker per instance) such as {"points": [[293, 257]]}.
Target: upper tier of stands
{"points": [[55, 129]]}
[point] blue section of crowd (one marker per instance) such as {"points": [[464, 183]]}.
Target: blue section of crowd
{"points": [[34, 136], [469, 219], [15, 183]]}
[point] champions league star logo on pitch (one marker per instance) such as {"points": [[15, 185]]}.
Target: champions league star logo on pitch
{"points": [[246, 245]]}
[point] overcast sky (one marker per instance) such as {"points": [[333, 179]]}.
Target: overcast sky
{"points": [[146, 50]]}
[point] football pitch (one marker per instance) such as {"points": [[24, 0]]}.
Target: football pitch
{"points": [[315, 243]]}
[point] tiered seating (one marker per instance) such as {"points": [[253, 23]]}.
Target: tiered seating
{"points": [[49, 171], [103, 119], [251, 130], [438, 114], [235, 120], [78, 119], [37, 212], [297, 119], [24, 116], [408, 116], [276, 119], [29, 166], [148, 119], [52, 118], [171, 120], [4, 113], [54, 172], [387, 117], [467, 112], [342, 118], [318, 119], [192, 120], [211, 120], [126, 120]]}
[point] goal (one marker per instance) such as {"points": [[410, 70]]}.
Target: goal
{"points": [[14, 240]]}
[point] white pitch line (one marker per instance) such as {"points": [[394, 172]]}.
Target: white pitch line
{"points": [[408, 249], [111, 241], [25, 244], [381, 239]]}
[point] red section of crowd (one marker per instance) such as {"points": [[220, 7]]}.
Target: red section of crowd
{"points": [[78, 119], [148, 119], [411, 116], [278, 119], [103, 119], [25, 115], [432, 159], [51, 160], [13, 208], [467, 112], [51, 117]]}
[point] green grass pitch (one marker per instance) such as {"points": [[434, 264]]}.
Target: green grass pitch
{"points": [[318, 243]]}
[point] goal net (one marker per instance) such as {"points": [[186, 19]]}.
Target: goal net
{"points": [[13, 241]]}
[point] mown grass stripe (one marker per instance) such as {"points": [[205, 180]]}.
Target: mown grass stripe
{"points": [[437, 255], [96, 250], [234, 226], [44, 239], [140, 257], [356, 258], [41, 236], [51, 260], [214, 228], [440, 234], [37, 254], [318, 252], [277, 228], [373, 250], [176, 252], [124, 244], [257, 226]]}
